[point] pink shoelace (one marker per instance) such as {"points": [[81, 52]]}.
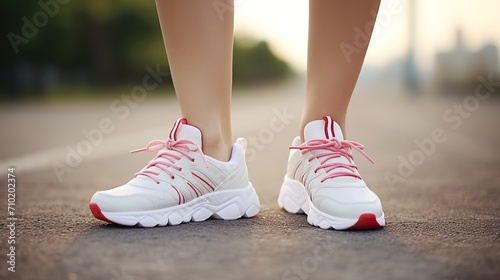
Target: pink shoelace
{"points": [[183, 146], [333, 148]]}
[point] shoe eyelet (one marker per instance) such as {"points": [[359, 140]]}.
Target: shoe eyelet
{"points": [[172, 177], [157, 183], [192, 160]]}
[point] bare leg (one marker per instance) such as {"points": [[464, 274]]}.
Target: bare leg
{"points": [[331, 76], [199, 43]]}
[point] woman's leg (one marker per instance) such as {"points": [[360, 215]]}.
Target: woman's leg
{"points": [[331, 75], [325, 167], [199, 44]]}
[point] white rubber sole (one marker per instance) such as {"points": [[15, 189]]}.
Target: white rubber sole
{"points": [[227, 205], [294, 199]]}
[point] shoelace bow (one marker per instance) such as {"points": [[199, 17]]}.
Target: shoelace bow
{"points": [[183, 146], [333, 148]]}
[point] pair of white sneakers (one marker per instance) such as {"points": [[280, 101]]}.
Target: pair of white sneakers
{"points": [[181, 184]]}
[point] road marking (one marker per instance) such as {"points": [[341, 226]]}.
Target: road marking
{"points": [[110, 146]]}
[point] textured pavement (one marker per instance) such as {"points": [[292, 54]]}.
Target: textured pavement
{"points": [[442, 206]]}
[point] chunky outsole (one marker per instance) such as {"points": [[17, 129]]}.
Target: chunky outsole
{"points": [[227, 205], [294, 199]]}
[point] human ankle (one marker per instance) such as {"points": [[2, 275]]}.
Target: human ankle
{"points": [[216, 138], [218, 149]]}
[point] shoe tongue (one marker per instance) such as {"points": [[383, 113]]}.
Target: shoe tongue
{"points": [[183, 130], [180, 130], [326, 129], [323, 129]]}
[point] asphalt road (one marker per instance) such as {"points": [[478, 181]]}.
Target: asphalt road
{"points": [[436, 172]]}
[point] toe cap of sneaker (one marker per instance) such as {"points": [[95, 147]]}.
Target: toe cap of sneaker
{"points": [[351, 207], [118, 200]]}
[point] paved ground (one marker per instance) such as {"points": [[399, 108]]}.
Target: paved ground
{"points": [[442, 210]]}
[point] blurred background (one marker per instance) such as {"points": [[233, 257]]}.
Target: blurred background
{"points": [[90, 48]]}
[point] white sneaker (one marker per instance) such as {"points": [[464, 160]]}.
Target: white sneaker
{"points": [[323, 181], [181, 184]]}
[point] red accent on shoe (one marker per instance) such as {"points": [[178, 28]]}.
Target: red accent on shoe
{"points": [[204, 181], [296, 169], [329, 127], [173, 132], [178, 195], [96, 211], [193, 188], [325, 118], [332, 128], [366, 221]]}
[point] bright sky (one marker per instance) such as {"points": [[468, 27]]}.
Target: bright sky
{"points": [[283, 23]]}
